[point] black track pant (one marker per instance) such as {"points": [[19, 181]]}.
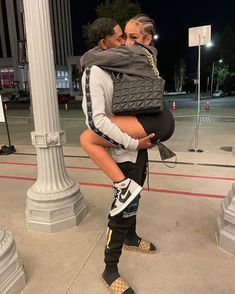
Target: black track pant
{"points": [[123, 225]]}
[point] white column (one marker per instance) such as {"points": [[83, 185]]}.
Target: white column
{"points": [[56, 34], [70, 29], [12, 277], [55, 201], [226, 222]]}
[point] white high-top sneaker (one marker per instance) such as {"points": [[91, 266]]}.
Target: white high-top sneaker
{"points": [[125, 193]]}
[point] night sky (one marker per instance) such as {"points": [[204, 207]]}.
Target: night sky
{"points": [[173, 19]]}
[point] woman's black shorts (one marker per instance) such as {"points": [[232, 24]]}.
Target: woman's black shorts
{"points": [[162, 124]]}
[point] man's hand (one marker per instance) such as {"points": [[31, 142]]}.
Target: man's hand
{"points": [[145, 143]]}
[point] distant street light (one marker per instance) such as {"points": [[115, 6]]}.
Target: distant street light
{"points": [[212, 73], [155, 37], [209, 44]]}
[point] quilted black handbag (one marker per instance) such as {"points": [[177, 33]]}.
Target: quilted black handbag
{"points": [[133, 95]]}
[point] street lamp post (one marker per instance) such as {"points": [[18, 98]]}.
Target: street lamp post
{"points": [[212, 74], [207, 85], [212, 77], [226, 221], [55, 201], [12, 277]]}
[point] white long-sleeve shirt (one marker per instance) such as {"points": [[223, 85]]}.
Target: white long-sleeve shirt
{"points": [[97, 101]]}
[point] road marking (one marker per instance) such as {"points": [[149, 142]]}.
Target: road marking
{"points": [[151, 173], [185, 193]]}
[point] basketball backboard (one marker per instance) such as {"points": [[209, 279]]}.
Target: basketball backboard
{"points": [[200, 35]]}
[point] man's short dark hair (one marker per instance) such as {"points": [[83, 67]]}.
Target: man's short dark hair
{"points": [[101, 28]]}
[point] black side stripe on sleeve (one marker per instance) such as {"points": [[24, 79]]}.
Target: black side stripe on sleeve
{"points": [[90, 112]]}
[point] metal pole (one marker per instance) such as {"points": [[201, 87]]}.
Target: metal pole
{"points": [[6, 149], [212, 77], [207, 85], [196, 131], [198, 95], [8, 134]]}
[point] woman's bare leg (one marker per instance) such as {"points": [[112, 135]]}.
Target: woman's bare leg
{"points": [[95, 146]]}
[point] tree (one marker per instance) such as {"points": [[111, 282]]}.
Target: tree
{"points": [[224, 49], [227, 47], [120, 10], [180, 70], [85, 30], [76, 76], [221, 74]]}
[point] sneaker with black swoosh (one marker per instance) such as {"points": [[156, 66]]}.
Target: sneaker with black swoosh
{"points": [[125, 193]]}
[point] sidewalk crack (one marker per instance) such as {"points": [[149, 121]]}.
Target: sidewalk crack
{"points": [[85, 261]]}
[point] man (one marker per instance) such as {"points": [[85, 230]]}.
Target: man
{"points": [[97, 92]]}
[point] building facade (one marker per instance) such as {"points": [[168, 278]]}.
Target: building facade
{"points": [[13, 43]]}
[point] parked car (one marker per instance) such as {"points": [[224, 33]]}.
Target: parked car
{"points": [[218, 93], [6, 99], [63, 98], [22, 99]]}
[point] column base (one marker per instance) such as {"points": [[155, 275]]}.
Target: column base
{"points": [[12, 277], [226, 240], [55, 215]]}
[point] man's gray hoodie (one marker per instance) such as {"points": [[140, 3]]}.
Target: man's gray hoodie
{"points": [[125, 59]]}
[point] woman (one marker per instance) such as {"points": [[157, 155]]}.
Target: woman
{"points": [[148, 129]]}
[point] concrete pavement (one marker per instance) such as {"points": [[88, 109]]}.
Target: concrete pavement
{"points": [[178, 214], [216, 128]]}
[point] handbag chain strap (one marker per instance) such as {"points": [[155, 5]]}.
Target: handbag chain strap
{"points": [[151, 61]]}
